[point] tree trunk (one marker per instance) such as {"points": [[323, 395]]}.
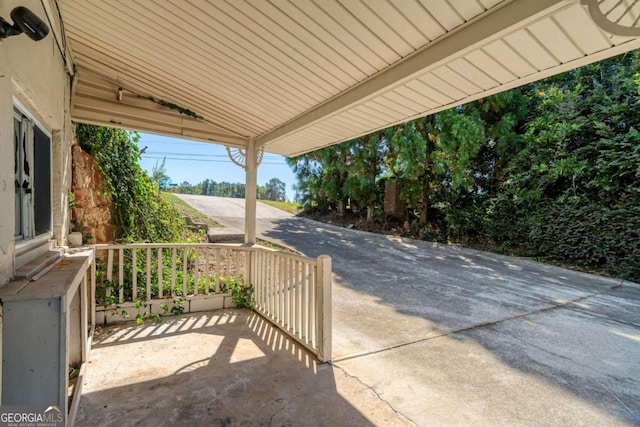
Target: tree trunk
{"points": [[424, 208], [370, 212]]}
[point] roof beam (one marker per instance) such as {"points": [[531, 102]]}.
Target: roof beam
{"points": [[139, 123], [487, 27], [102, 105]]}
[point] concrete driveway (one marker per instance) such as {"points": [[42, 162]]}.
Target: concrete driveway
{"points": [[452, 336]]}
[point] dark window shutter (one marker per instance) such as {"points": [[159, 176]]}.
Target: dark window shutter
{"points": [[41, 181]]}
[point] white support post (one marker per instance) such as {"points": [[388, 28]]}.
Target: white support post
{"points": [[251, 170], [323, 306]]}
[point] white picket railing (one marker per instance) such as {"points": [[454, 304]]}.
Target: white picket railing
{"points": [[294, 293], [291, 291], [147, 271]]}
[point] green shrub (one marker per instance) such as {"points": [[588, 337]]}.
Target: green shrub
{"points": [[138, 211], [592, 236]]}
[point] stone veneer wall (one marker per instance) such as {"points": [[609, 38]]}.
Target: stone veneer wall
{"points": [[92, 206]]}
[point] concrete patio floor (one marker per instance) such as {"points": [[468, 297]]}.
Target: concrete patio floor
{"points": [[571, 365], [222, 368], [454, 336]]}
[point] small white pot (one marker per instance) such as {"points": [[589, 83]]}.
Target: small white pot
{"points": [[75, 239]]}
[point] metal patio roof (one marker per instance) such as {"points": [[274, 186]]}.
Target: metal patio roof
{"points": [[297, 75]]}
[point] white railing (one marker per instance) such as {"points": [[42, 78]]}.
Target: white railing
{"points": [[148, 271], [294, 293], [291, 291]]}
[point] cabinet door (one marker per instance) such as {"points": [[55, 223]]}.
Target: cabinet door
{"points": [[32, 371]]}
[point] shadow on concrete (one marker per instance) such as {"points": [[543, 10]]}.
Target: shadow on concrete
{"points": [[222, 368], [454, 287], [571, 336]]}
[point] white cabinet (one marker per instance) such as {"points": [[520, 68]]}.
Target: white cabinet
{"points": [[45, 333]]}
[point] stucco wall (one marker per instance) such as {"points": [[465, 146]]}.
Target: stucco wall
{"points": [[34, 74], [6, 173]]}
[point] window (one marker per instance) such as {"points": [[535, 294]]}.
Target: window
{"points": [[32, 168]]}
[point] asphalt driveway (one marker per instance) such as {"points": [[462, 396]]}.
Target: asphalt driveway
{"points": [[452, 336]]}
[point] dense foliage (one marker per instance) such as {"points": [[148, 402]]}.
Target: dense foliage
{"points": [[139, 214], [549, 170]]}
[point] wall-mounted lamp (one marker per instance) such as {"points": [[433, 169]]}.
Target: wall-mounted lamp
{"points": [[26, 22], [120, 93]]}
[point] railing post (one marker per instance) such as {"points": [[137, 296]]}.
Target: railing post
{"points": [[323, 307], [248, 268], [93, 290]]}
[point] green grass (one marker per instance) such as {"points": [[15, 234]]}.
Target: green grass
{"points": [[197, 216], [276, 246], [187, 210], [290, 207]]}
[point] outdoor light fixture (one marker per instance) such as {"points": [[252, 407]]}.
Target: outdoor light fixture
{"points": [[24, 21]]}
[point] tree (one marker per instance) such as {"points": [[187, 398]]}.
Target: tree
{"points": [[410, 160], [321, 178], [184, 188], [204, 187], [305, 169], [364, 170], [275, 189], [551, 169], [159, 175]]}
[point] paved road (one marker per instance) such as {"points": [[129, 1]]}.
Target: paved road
{"points": [[456, 336]]}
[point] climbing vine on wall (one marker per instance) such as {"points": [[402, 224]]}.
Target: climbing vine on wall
{"points": [[176, 107], [139, 213]]}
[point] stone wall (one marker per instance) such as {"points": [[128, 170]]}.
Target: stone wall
{"points": [[92, 209]]}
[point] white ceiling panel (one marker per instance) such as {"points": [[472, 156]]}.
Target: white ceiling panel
{"points": [[299, 75]]}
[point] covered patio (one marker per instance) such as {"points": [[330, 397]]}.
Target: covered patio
{"points": [[423, 334], [287, 78], [291, 77]]}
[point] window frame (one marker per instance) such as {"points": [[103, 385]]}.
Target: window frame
{"points": [[24, 243]]}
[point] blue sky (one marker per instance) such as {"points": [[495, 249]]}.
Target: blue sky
{"points": [[194, 162]]}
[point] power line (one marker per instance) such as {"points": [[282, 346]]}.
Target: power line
{"points": [[182, 142], [205, 160], [141, 142], [166, 153]]}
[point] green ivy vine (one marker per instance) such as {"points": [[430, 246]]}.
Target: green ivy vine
{"points": [[139, 213], [176, 107]]}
